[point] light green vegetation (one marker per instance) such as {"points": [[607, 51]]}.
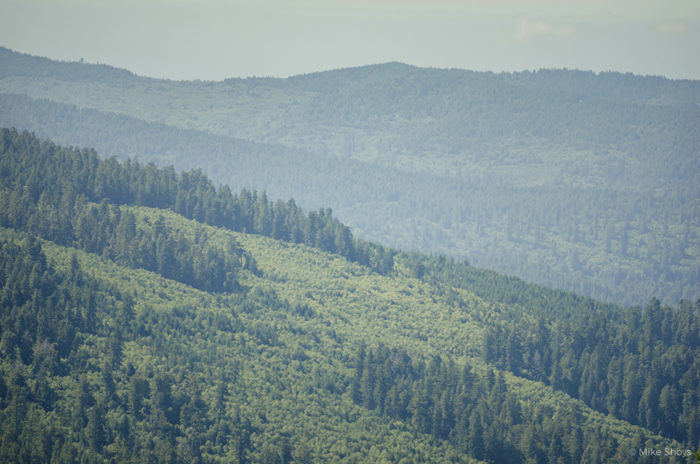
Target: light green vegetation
{"points": [[281, 387], [358, 306], [148, 335], [290, 386]]}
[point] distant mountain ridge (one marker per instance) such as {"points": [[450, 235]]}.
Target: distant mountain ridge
{"points": [[571, 179], [615, 85], [22, 64]]}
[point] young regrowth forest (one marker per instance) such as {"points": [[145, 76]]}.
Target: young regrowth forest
{"points": [[147, 315]]}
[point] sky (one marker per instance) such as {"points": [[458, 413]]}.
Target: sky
{"points": [[218, 39]]}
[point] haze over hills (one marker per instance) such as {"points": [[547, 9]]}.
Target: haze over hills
{"points": [[147, 315], [575, 180]]}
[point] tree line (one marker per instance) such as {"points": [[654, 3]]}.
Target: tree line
{"points": [[639, 364], [34, 172], [477, 412]]}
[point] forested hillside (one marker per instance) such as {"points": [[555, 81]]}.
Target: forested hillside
{"points": [[136, 323], [575, 180]]}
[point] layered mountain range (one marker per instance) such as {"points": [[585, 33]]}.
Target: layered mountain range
{"points": [[574, 180]]}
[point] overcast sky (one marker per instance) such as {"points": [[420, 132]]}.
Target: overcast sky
{"points": [[216, 39]]}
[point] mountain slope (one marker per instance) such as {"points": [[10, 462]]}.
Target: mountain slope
{"points": [[574, 180], [310, 357], [583, 117], [196, 378], [281, 370]]}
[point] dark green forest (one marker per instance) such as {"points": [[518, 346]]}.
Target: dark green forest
{"points": [[57, 183], [149, 316], [581, 181]]}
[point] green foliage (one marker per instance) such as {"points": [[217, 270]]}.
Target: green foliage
{"points": [[478, 414], [592, 350], [520, 338], [47, 187], [312, 356], [193, 376]]}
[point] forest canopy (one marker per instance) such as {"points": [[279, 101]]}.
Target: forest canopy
{"points": [[146, 314]]}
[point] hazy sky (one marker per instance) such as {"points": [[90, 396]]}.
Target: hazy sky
{"points": [[215, 39]]}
